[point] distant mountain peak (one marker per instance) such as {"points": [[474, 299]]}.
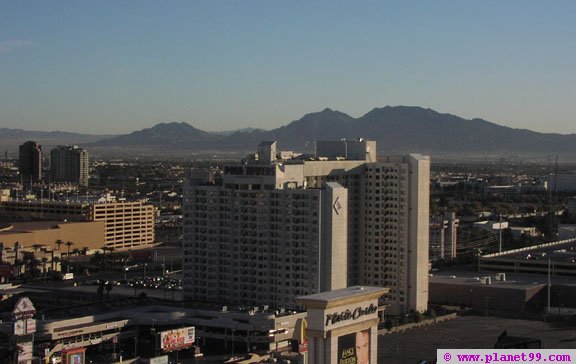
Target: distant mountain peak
{"points": [[395, 128], [172, 124], [165, 133]]}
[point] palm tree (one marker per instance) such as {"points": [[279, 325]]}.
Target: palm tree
{"points": [[44, 261], [31, 265], [68, 244], [57, 260], [52, 259], [17, 258], [104, 250], [58, 243], [76, 252]]}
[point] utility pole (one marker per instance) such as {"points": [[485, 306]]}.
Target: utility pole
{"points": [[549, 285]]}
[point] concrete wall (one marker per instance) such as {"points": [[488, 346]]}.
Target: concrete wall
{"points": [[418, 232]]}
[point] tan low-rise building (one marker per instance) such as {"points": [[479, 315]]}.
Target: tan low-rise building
{"points": [[88, 234], [123, 225], [41, 245]]}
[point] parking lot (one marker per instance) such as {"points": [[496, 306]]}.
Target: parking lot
{"points": [[148, 282], [469, 332]]}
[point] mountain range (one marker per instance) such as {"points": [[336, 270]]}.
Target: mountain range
{"points": [[396, 129]]}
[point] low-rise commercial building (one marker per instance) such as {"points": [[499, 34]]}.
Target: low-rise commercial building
{"points": [[516, 294], [487, 292], [135, 324]]}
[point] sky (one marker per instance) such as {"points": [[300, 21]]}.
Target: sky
{"points": [[109, 67]]}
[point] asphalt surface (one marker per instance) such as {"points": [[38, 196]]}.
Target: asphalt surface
{"points": [[469, 332]]}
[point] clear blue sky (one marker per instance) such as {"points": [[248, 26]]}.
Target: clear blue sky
{"points": [[118, 66]]}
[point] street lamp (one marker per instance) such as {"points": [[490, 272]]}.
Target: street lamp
{"points": [[233, 331], [153, 331], [197, 352], [396, 324], [486, 298]]}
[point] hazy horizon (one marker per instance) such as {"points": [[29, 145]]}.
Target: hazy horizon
{"points": [[116, 67], [228, 130]]}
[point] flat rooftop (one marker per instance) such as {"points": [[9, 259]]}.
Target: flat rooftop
{"points": [[123, 298], [354, 292], [513, 280], [28, 226]]}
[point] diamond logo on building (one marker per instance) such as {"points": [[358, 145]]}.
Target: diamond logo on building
{"points": [[337, 206]]}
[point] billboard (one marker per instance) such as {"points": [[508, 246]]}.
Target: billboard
{"points": [[157, 360], [24, 326], [20, 328], [142, 256], [177, 338], [354, 348], [74, 356], [30, 326]]}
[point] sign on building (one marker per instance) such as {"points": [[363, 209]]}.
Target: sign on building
{"points": [[74, 356], [24, 352], [23, 309], [343, 325], [24, 328], [354, 348]]}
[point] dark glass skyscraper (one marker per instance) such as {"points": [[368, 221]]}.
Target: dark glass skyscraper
{"points": [[31, 162], [69, 164]]}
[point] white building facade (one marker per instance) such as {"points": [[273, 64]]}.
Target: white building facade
{"points": [[274, 230]]}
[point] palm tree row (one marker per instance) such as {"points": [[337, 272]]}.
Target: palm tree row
{"points": [[30, 261]]}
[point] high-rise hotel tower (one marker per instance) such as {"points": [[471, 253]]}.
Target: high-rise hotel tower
{"points": [[69, 164], [31, 162], [281, 225]]}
